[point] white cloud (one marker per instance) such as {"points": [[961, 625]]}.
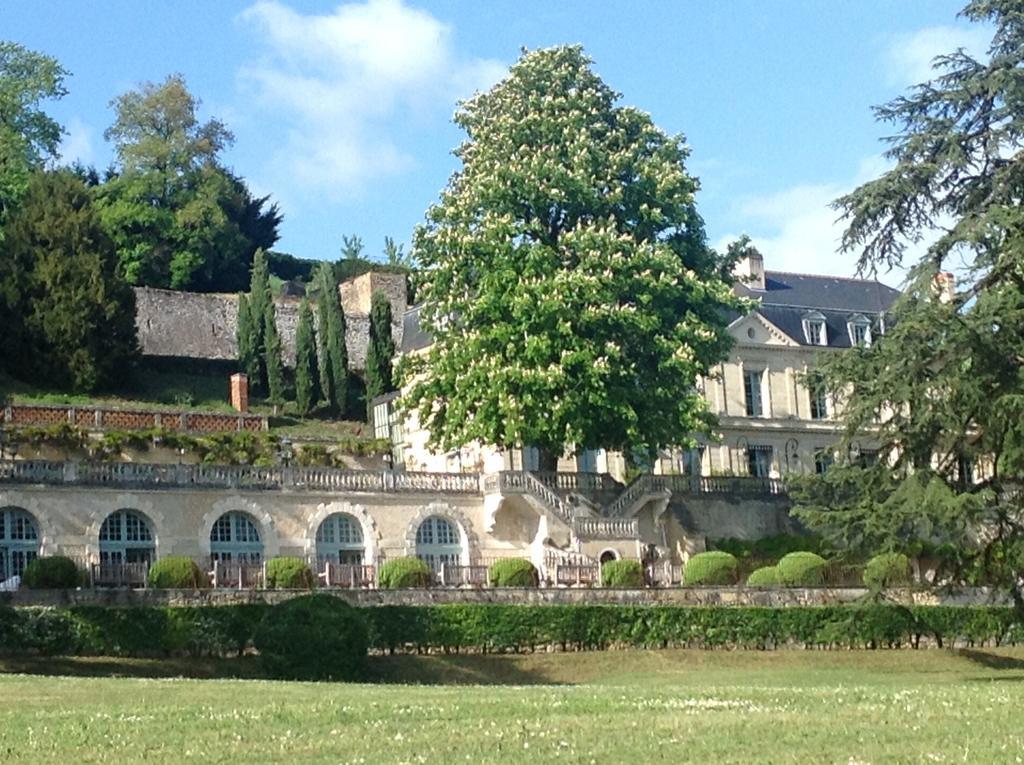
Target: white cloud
{"points": [[77, 143], [343, 82], [909, 57]]}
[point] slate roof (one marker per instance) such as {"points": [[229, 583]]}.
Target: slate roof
{"points": [[413, 335], [788, 298]]}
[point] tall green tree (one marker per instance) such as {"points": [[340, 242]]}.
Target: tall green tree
{"points": [[941, 392], [76, 315], [28, 136], [380, 349], [566, 280], [333, 349], [260, 301], [272, 361], [248, 342], [178, 218], [307, 370]]}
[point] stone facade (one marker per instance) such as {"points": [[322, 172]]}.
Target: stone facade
{"points": [[205, 325]]}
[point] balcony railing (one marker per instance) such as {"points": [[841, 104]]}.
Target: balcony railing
{"points": [[607, 528], [142, 475]]}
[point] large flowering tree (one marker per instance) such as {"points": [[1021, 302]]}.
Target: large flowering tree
{"points": [[565, 279]]}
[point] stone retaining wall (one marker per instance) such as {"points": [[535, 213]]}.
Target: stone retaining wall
{"points": [[679, 596]]}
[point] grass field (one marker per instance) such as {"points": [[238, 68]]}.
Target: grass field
{"points": [[613, 707]]}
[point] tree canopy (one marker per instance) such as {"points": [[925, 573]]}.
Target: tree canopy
{"points": [[179, 219], [566, 279], [941, 393], [28, 136]]}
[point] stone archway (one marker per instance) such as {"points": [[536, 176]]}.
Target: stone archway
{"points": [[237, 504], [371, 536], [470, 542]]}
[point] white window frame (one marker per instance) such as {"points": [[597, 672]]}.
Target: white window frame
{"points": [[754, 393], [859, 322], [815, 319]]}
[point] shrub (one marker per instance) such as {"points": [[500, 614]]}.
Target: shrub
{"points": [[313, 637], [622, 573], [804, 569], [887, 569], [513, 572], [51, 573], [177, 572], [405, 572], [715, 567], [289, 574], [766, 576]]}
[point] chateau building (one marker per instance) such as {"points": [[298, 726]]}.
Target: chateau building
{"points": [[461, 510]]}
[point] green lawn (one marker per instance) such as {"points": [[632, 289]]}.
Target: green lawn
{"points": [[613, 707]]}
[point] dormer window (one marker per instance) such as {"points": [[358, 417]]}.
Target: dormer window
{"points": [[860, 331], [814, 329]]}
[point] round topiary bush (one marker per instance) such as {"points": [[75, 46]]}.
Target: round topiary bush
{"points": [[312, 637], [622, 573], [513, 572], [176, 572], [886, 570], [766, 576], [715, 567], [289, 574], [801, 569], [405, 572], [51, 573]]}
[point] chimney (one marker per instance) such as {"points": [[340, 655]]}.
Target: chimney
{"points": [[240, 392], [750, 269], [945, 286]]}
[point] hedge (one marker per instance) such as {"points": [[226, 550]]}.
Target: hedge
{"points": [[513, 572], [801, 569], [886, 570], [715, 567], [405, 572], [229, 630], [51, 573], [766, 576], [314, 637], [177, 572], [622, 573], [287, 573]]}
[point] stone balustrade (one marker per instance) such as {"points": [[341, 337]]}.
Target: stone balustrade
{"points": [[607, 528], [250, 477]]}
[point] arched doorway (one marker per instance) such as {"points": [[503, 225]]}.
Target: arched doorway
{"points": [[339, 539], [19, 541], [607, 556], [438, 542], [235, 538]]}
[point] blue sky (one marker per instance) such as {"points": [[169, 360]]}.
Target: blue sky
{"points": [[343, 111]]}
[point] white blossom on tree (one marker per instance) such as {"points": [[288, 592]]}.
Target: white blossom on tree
{"points": [[565, 278]]}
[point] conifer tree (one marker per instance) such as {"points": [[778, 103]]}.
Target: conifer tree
{"points": [[323, 278], [247, 356], [259, 299], [272, 355], [336, 352], [380, 349], [307, 371]]}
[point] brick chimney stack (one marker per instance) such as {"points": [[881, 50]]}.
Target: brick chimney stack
{"points": [[240, 392]]}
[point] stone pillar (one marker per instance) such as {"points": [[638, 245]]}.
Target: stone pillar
{"points": [[240, 392]]}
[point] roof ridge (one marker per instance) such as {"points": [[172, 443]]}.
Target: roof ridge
{"points": [[831, 276], [824, 308]]}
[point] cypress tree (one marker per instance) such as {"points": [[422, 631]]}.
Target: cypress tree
{"points": [[380, 350], [272, 355], [247, 356], [259, 299], [322, 280], [307, 371], [336, 353]]}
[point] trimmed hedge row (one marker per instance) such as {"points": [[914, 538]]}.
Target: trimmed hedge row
{"points": [[228, 630]]}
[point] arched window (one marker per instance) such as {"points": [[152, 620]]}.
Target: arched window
{"points": [[126, 536], [438, 542], [19, 541], [339, 539], [234, 537]]}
